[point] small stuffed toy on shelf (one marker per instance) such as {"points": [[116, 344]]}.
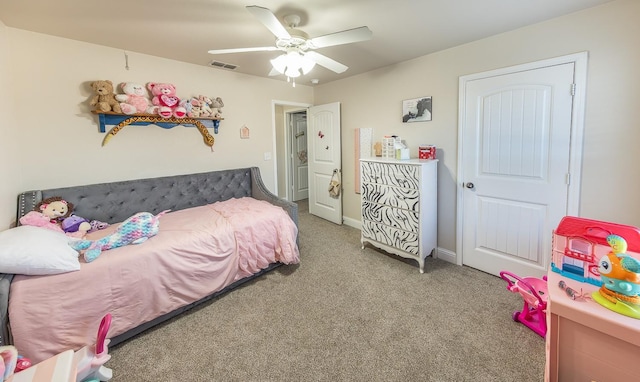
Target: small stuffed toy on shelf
{"points": [[205, 103], [216, 107], [51, 212], [195, 108], [105, 99]]}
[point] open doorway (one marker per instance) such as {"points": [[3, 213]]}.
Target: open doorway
{"points": [[289, 120], [323, 153], [298, 163]]}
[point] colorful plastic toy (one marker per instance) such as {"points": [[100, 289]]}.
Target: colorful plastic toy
{"points": [[90, 359], [534, 292], [620, 274], [579, 244]]}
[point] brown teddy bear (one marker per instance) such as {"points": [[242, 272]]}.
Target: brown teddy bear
{"points": [[105, 99]]}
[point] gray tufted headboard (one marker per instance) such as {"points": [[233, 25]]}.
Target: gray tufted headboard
{"points": [[116, 201]]}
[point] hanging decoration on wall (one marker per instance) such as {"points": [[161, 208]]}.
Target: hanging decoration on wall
{"points": [[244, 132], [417, 109], [209, 140], [302, 156]]}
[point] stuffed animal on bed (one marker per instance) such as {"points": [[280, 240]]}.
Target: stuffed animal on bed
{"points": [[51, 212], [134, 230]]}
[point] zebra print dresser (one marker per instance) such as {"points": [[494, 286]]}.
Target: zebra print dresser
{"points": [[399, 206]]}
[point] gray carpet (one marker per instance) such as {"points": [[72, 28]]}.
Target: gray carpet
{"points": [[344, 314]]}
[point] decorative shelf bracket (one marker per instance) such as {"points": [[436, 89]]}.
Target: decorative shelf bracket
{"points": [[119, 121]]}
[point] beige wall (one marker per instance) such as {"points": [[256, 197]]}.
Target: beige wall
{"points": [[9, 130], [58, 136], [610, 179]]}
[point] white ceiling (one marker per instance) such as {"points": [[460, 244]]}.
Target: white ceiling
{"points": [[185, 30]]}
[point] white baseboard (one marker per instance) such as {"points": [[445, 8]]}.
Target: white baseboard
{"points": [[446, 255], [352, 222]]}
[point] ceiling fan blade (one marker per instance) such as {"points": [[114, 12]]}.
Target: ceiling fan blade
{"points": [[327, 62], [269, 20], [242, 50], [344, 37]]}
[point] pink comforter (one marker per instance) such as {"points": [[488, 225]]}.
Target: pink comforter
{"points": [[197, 251]]}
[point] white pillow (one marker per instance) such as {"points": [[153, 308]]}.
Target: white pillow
{"points": [[30, 250]]}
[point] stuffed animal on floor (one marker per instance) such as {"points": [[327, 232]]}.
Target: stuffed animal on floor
{"points": [[51, 212], [134, 230]]}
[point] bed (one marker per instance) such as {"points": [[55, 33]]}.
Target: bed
{"points": [[224, 228]]}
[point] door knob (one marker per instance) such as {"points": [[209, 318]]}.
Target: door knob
{"points": [[469, 185]]}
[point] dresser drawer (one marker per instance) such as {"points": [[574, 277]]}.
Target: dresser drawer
{"points": [[405, 198], [397, 175], [391, 216], [403, 240]]}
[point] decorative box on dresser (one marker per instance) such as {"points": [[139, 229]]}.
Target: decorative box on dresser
{"points": [[399, 206]]}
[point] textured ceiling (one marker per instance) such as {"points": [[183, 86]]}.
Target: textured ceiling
{"points": [[185, 30]]}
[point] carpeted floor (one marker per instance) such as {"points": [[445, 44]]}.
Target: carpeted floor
{"points": [[344, 314]]}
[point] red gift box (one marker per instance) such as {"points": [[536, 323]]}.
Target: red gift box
{"points": [[427, 152]]}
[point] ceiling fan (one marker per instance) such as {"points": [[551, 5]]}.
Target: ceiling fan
{"points": [[299, 56]]}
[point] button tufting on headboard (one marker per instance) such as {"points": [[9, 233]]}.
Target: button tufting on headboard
{"points": [[114, 202]]}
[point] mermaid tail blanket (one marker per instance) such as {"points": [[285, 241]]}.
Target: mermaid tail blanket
{"points": [[135, 230]]}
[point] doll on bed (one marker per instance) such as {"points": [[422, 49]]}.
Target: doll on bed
{"points": [[56, 214]]}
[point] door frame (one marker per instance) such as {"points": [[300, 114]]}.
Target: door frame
{"points": [[287, 143], [577, 131]]}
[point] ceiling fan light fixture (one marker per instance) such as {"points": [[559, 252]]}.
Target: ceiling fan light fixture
{"points": [[292, 64], [292, 73], [280, 63], [307, 64]]}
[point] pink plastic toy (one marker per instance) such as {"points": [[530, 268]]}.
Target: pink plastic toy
{"points": [[534, 292], [90, 359]]}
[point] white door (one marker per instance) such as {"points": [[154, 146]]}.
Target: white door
{"points": [[323, 127], [299, 162], [516, 140]]}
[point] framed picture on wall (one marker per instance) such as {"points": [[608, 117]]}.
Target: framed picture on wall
{"points": [[417, 109]]}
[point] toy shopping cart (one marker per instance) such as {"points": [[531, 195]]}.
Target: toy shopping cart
{"points": [[534, 293]]}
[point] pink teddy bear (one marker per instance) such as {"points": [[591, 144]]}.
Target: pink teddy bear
{"points": [[166, 101], [134, 100]]}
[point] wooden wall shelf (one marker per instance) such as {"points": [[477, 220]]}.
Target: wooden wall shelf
{"points": [[119, 121]]}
